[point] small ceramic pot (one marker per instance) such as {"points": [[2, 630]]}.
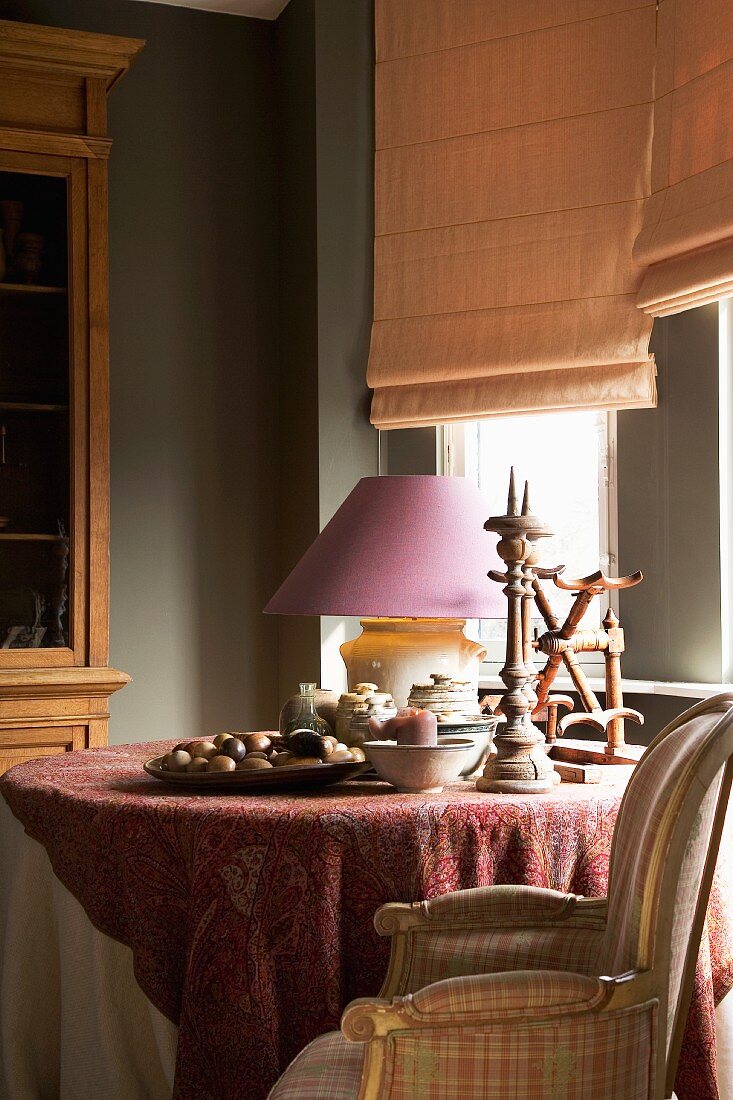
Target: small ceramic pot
{"points": [[12, 216], [450, 698], [347, 704], [378, 705]]}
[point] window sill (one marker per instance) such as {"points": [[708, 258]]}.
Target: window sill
{"points": [[676, 689]]}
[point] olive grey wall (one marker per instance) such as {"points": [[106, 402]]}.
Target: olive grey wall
{"points": [[193, 291], [669, 519], [324, 57], [669, 508], [348, 446], [297, 459]]}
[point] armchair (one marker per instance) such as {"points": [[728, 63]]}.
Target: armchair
{"points": [[515, 993]]}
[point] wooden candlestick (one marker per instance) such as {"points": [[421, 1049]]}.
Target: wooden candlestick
{"points": [[521, 765]]}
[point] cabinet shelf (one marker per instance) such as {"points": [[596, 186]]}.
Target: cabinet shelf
{"points": [[30, 288], [31, 406], [17, 536]]}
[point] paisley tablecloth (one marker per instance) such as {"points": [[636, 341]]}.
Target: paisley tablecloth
{"points": [[250, 917]]}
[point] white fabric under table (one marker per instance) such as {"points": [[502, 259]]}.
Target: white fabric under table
{"points": [[74, 1023]]}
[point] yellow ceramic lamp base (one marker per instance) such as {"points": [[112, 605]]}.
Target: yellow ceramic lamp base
{"points": [[397, 653]]}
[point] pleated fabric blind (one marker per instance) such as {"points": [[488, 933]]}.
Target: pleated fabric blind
{"points": [[513, 151], [687, 237]]}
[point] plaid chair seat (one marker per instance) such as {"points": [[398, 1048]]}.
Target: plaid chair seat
{"points": [[328, 1069]]}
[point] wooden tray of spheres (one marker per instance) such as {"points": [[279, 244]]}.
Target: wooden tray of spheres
{"points": [[292, 777]]}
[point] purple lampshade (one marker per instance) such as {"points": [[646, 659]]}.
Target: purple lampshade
{"points": [[400, 546]]}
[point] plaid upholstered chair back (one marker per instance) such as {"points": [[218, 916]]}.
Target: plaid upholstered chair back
{"points": [[664, 851]]}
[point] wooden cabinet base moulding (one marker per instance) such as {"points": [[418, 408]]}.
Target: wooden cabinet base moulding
{"points": [[47, 712], [54, 388]]}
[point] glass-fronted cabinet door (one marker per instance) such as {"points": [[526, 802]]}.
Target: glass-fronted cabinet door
{"points": [[41, 400]]}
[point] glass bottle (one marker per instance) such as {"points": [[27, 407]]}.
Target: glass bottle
{"points": [[308, 718]]}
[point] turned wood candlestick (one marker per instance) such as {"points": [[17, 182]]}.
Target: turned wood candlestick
{"points": [[521, 765]]}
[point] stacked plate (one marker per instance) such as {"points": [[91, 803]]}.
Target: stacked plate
{"points": [[454, 702]]}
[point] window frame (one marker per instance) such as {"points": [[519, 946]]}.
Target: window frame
{"points": [[725, 478], [451, 445]]}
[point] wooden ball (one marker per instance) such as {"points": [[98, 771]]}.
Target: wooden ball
{"points": [[198, 764], [233, 747], [182, 746], [221, 764], [257, 756], [297, 761], [178, 760], [341, 756], [221, 738], [207, 749], [253, 763], [510, 549], [280, 758], [358, 753], [257, 742]]}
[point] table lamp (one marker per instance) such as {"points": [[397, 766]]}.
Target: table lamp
{"points": [[409, 556]]}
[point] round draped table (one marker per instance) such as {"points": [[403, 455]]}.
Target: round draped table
{"points": [[250, 917]]}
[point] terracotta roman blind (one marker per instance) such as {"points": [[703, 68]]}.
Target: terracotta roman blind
{"points": [[513, 151], [687, 237]]}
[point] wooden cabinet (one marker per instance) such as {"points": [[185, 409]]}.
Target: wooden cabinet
{"points": [[55, 682]]}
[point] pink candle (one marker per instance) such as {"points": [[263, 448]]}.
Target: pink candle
{"points": [[410, 727]]}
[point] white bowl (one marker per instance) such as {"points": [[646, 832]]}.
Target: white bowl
{"points": [[481, 737], [418, 769]]}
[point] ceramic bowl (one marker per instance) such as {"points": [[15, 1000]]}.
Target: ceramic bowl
{"points": [[480, 735], [416, 769]]}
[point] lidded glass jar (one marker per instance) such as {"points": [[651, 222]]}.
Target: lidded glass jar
{"points": [[308, 718]]}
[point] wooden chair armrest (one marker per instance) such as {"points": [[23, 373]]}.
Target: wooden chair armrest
{"points": [[588, 913], [491, 998], [492, 907]]}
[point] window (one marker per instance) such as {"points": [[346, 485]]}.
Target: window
{"points": [[568, 459]]}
